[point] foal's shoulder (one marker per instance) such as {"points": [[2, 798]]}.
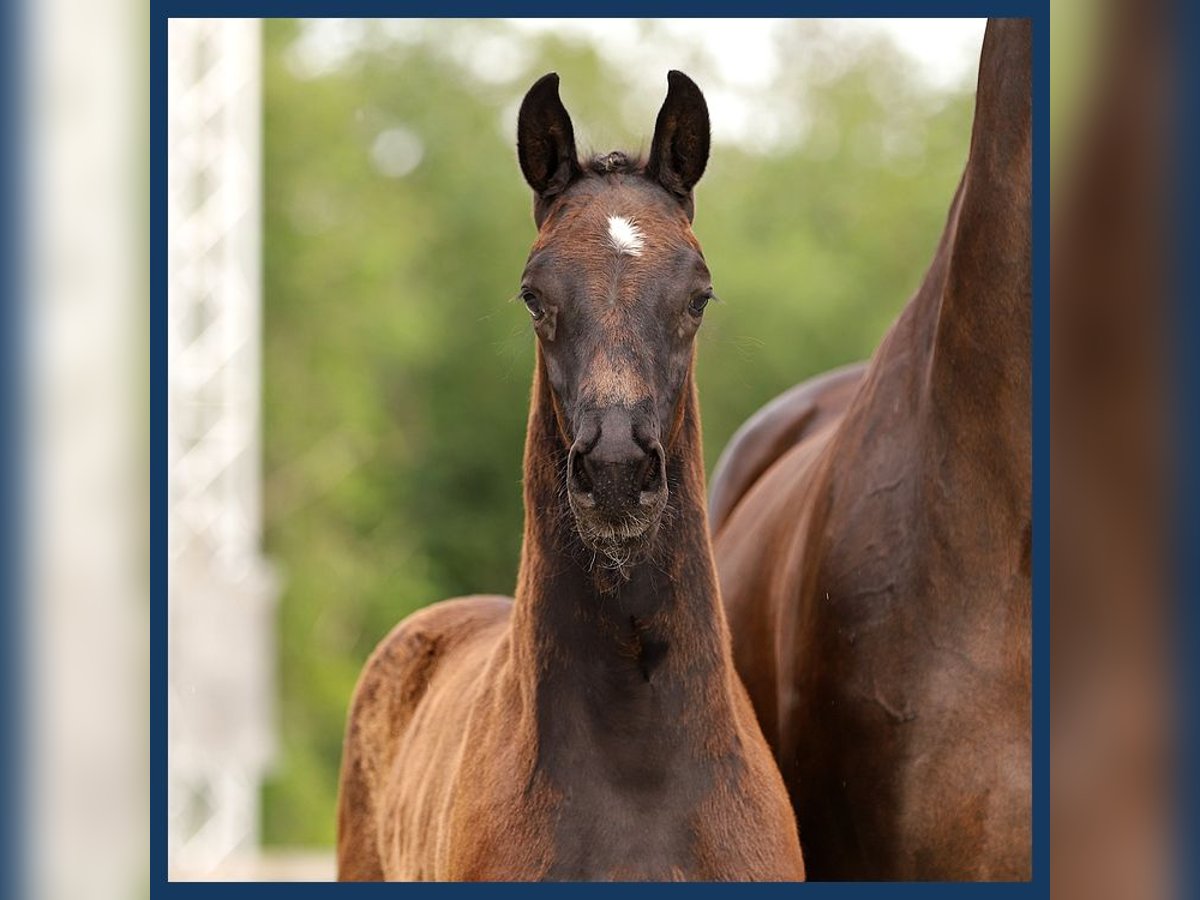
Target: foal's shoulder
{"points": [[422, 638], [399, 670], [395, 679]]}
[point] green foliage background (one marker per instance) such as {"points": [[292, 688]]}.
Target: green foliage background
{"points": [[396, 369]]}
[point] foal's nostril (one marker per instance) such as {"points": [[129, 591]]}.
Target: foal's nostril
{"points": [[581, 481], [578, 478], [652, 470], [615, 471]]}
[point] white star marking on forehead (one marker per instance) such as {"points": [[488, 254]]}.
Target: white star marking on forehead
{"points": [[625, 236]]}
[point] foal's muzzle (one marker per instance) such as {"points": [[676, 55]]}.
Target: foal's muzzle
{"points": [[617, 480]]}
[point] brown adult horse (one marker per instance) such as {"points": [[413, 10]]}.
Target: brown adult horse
{"points": [[877, 573], [594, 727]]}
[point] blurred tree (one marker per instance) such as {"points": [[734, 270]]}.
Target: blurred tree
{"points": [[396, 370]]}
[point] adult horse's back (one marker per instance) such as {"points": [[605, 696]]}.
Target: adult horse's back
{"points": [[877, 573]]}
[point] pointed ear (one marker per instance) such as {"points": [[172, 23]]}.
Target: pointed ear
{"points": [[679, 151], [546, 144]]}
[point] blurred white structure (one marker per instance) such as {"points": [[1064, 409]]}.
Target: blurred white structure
{"points": [[82, 786], [221, 596]]}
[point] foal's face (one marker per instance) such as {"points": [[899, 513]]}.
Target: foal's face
{"points": [[616, 286]]}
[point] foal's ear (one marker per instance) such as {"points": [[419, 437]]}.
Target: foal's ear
{"points": [[679, 151], [546, 143]]}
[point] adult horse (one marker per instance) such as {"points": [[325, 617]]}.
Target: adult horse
{"points": [[876, 572], [594, 727]]}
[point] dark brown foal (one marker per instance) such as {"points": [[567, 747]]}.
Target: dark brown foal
{"points": [[594, 727], [875, 558]]}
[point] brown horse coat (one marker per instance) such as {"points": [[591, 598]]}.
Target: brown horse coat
{"points": [[783, 423], [595, 726], [877, 573]]}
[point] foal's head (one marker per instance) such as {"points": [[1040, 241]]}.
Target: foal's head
{"points": [[616, 285]]}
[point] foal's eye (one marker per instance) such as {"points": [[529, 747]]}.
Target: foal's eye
{"points": [[532, 304], [696, 307]]}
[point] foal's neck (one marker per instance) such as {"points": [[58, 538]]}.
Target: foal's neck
{"points": [[613, 632]]}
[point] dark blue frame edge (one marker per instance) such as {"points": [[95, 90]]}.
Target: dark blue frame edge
{"points": [[1037, 11], [158, 446], [13, 856]]}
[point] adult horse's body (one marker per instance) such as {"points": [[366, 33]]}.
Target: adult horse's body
{"points": [[594, 727], [877, 572], [790, 418]]}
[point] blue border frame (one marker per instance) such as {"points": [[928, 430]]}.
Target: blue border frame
{"points": [[1039, 12], [13, 505], [158, 446]]}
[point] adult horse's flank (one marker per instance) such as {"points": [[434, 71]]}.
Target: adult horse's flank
{"points": [[594, 727], [875, 557]]}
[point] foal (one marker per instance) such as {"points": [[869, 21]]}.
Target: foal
{"points": [[594, 727]]}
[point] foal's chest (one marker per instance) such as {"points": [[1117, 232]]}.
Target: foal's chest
{"points": [[622, 841]]}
